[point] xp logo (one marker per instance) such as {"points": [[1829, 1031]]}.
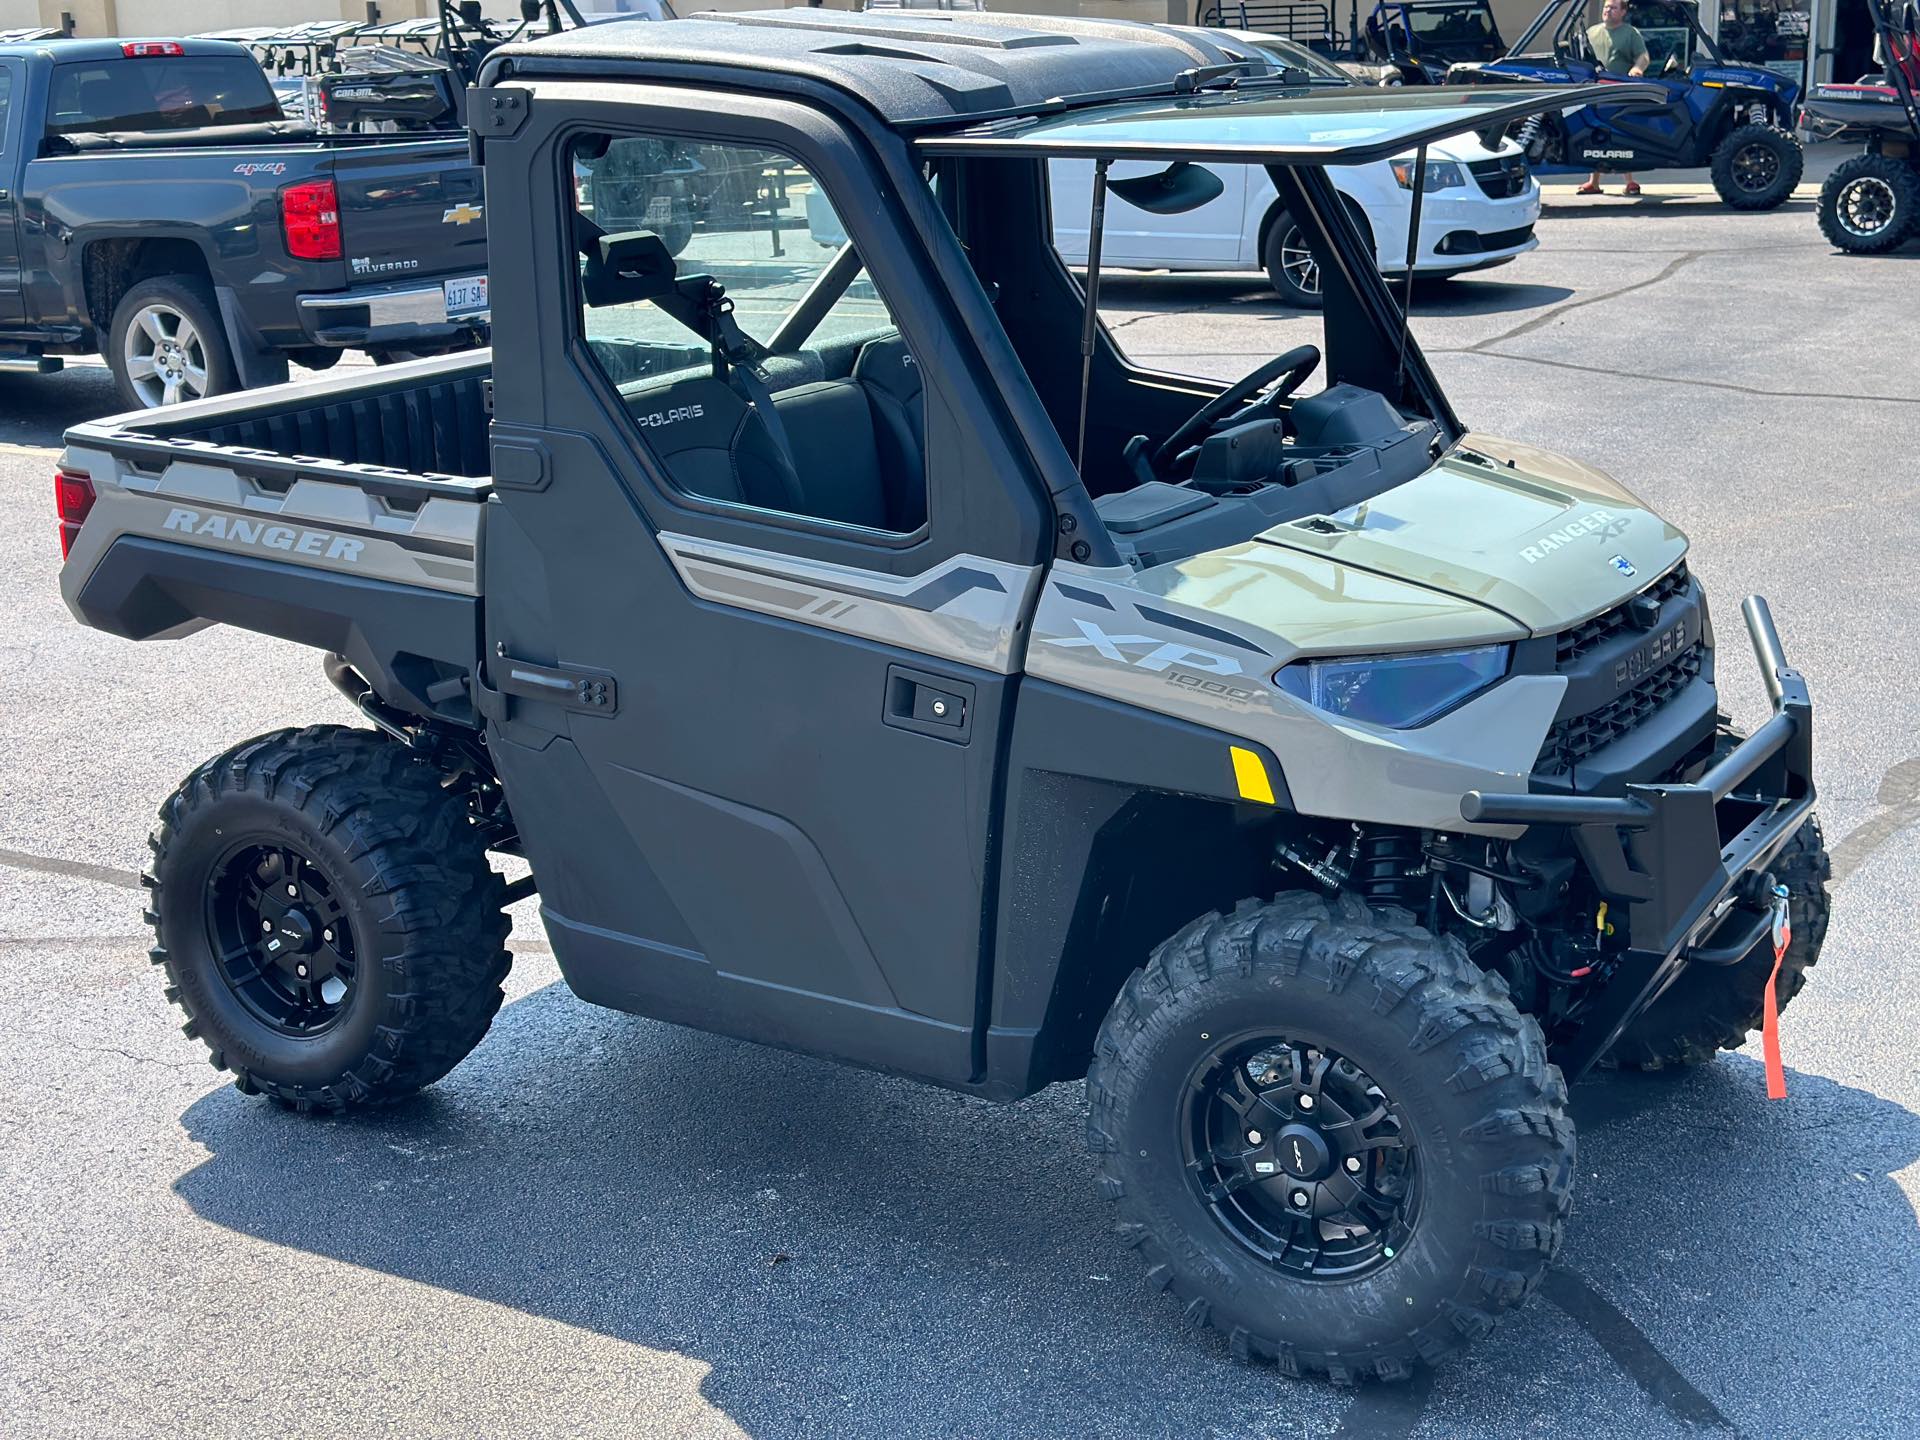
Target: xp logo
{"points": [[1623, 565], [1159, 654]]}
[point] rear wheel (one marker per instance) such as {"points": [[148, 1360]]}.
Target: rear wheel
{"points": [[326, 918], [1711, 1008], [1869, 204], [1757, 166], [167, 343], [1331, 1135]]}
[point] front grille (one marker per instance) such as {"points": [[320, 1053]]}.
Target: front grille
{"points": [[1571, 645], [1501, 179], [1572, 740], [1506, 239]]}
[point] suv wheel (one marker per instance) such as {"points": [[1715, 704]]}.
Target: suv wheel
{"points": [[1757, 166], [167, 343], [326, 918], [1869, 204], [1331, 1135]]}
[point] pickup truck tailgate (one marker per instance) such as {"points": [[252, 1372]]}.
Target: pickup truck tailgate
{"points": [[410, 210]]}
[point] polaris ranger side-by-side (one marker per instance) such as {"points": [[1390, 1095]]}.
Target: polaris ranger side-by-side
{"points": [[869, 659]]}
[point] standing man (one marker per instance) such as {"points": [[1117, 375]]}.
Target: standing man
{"points": [[1619, 49]]}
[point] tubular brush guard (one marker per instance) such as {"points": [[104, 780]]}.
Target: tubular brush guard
{"points": [[1657, 850]]}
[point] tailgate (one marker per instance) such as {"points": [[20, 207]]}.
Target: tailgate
{"points": [[411, 209]]}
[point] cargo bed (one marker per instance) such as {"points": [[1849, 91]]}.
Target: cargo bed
{"points": [[306, 511]]}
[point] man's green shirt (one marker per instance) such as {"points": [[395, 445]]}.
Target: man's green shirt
{"points": [[1617, 50]]}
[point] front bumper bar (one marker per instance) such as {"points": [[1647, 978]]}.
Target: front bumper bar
{"points": [[1692, 896]]}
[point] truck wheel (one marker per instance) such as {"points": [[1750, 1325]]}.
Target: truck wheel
{"points": [[1331, 1135], [326, 918], [1868, 204], [1711, 1008], [1291, 268], [1757, 166], [167, 343]]}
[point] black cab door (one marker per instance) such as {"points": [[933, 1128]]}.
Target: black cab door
{"points": [[758, 571]]}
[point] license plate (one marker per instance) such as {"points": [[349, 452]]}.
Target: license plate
{"points": [[466, 296]]}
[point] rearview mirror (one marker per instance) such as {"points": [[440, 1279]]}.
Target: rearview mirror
{"points": [[1181, 187]]}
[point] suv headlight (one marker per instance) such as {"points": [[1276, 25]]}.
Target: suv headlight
{"points": [[1397, 691], [1441, 175]]}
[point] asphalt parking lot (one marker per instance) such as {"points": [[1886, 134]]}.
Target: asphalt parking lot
{"points": [[599, 1224]]}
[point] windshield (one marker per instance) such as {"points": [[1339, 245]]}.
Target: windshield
{"points": [[1289, 55], [155, 93], [1347, 126]]}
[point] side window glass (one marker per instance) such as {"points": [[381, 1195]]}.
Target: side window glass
{"points": [[6, 101], [721, 296]]}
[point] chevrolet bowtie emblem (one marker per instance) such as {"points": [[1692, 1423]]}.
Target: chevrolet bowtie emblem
{"points": [[462, 214]]}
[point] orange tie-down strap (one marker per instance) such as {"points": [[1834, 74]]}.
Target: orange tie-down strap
{"points": [[1770, 1007]]}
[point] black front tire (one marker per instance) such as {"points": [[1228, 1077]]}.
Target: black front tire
{"points": [[405, 878], [1870, 204], [1470, 1083], [1711, 1008], [1757, 166]]}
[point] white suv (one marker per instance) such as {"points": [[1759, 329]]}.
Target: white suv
{"points": [[1479, 209]]}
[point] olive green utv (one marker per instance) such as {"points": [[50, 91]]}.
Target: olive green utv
{"points": [[868, 659]]}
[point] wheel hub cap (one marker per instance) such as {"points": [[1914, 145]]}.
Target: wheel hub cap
{"points": [[1303, 1152]]}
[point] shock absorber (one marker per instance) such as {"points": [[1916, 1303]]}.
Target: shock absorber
{"points": [[1390, 870]]}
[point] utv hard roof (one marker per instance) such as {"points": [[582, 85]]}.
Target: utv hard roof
{"points": [[911, 68]]}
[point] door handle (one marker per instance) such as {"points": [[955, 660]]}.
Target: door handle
{"points": [[929, 704]]}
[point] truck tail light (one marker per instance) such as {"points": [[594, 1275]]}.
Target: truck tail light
{"points": [[73, 498], [151, 49], [310, 216]]}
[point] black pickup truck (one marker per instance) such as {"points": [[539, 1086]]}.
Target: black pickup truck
{"points": [[156, 207]]}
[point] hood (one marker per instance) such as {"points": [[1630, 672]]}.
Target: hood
{"points": [[1539, 540], [1496, 542]]}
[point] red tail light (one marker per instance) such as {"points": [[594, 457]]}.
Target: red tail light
{"points": [[151, 49], [73, 498], [310, 216]]}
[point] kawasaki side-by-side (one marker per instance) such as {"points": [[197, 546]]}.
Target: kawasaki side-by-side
{"points": [[868, 659]]}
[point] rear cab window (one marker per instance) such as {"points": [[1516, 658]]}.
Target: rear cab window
{"points": [[181, 92]]}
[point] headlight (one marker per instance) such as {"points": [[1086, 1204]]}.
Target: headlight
{"points": [[1441, 175], [1398, 691]]}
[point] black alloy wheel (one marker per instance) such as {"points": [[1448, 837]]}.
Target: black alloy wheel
{"points": [[285, 947], [1301, 1158]]}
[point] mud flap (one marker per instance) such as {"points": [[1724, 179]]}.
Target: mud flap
{"points": [[255, 362]]}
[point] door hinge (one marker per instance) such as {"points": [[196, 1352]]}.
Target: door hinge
{"points": [[588, 692]]}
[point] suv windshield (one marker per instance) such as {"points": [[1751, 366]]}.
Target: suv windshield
{"points": [[159, 93]]}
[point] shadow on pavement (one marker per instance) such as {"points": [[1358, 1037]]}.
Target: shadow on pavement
{"points": [[845, 1249], [37, 409]]}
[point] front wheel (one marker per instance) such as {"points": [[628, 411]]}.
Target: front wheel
{"points": [[167, 343], [326, 918], [1331, 1136], [1869, 204], [1757, 166]]}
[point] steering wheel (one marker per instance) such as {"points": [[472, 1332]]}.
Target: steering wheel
{"points": [[1284, 374]]}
